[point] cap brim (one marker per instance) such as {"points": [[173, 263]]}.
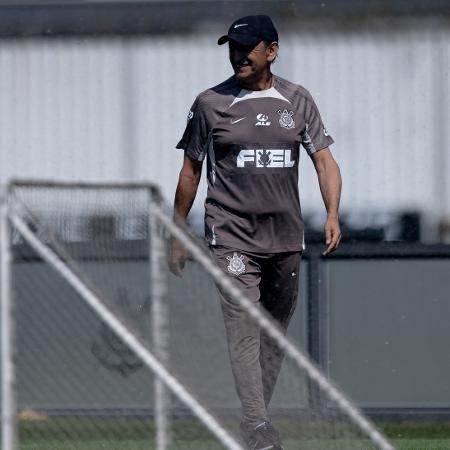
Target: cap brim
{"points": [[223, 39], [239, 38]]}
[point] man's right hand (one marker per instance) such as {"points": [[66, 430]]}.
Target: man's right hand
{"points": [[177, 257]]}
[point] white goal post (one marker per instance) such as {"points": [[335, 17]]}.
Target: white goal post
{"points": [[160, 219], [9, 432], [10, 219]]}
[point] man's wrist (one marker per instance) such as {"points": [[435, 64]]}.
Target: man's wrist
{"points": [[333, 215], [180, 219]]}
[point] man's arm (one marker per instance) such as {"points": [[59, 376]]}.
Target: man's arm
{"points": [[188, 181], [330, 186]]}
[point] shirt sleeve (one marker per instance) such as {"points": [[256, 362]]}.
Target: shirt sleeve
{"points": [[315, 136], [196, 135]]}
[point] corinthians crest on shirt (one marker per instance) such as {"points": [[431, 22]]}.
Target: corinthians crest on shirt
{"points": [[236, 265], [286, 120]]}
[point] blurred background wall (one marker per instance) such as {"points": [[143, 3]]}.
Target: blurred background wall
{"points": [[100, 91]]}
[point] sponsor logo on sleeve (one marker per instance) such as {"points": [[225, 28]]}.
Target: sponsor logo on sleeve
{"points": [[190, 115], [325, 132]]}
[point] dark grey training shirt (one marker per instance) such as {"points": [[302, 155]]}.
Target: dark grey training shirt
{"points": [[252, 140]]}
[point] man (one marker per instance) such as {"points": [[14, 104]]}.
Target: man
{"points": [[250, 128]]}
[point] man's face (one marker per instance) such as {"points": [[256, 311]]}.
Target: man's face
{"points": [[251, 63]]}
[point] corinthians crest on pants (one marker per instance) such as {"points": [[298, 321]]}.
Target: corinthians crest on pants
{"points": [[286, 120], [236, 266]]}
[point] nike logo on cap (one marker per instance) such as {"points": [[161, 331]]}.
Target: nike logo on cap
{"points": [[237, 120], [240, 25]]}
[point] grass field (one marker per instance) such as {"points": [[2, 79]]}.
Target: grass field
{"points": [[116, 434], [401, 444]]}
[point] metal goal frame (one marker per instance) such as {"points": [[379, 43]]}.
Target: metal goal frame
{"points": [[159, 219]]}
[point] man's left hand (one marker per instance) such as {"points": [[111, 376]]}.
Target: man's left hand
{"points": [[332, 234]]}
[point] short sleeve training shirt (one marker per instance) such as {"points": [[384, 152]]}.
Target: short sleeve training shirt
{"points": [[251, 140]]}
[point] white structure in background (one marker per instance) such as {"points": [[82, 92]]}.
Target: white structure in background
{"points": [[104, 109]]}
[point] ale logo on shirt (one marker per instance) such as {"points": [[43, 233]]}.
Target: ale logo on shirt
{"points": [[286, 120], [262, 120]]}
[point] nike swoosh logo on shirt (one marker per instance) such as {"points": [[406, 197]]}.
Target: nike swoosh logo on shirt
{"points": [[240, 25], [237, 120]]}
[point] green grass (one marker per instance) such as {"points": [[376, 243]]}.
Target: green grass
{"points": [[135, 434], [98, 444], [416, 430], [422, 444]]}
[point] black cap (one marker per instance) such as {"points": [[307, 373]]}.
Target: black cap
{"points": [[250, 30]]}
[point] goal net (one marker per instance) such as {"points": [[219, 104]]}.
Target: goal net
{"points": [[102, 347]]}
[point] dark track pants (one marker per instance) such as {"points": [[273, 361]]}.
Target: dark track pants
{"points": [[271, 281]]}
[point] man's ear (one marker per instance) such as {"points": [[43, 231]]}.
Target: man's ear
{"points": [[273, 51]]}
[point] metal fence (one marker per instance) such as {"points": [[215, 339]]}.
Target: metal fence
{"points": [[114, 300], [368, 309]]}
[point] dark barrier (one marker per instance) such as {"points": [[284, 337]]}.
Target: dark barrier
{"points": [[374, 316], [378, 325]]}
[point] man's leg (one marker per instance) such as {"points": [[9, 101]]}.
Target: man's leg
{"points": [[243, 334], [279, 292]]}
